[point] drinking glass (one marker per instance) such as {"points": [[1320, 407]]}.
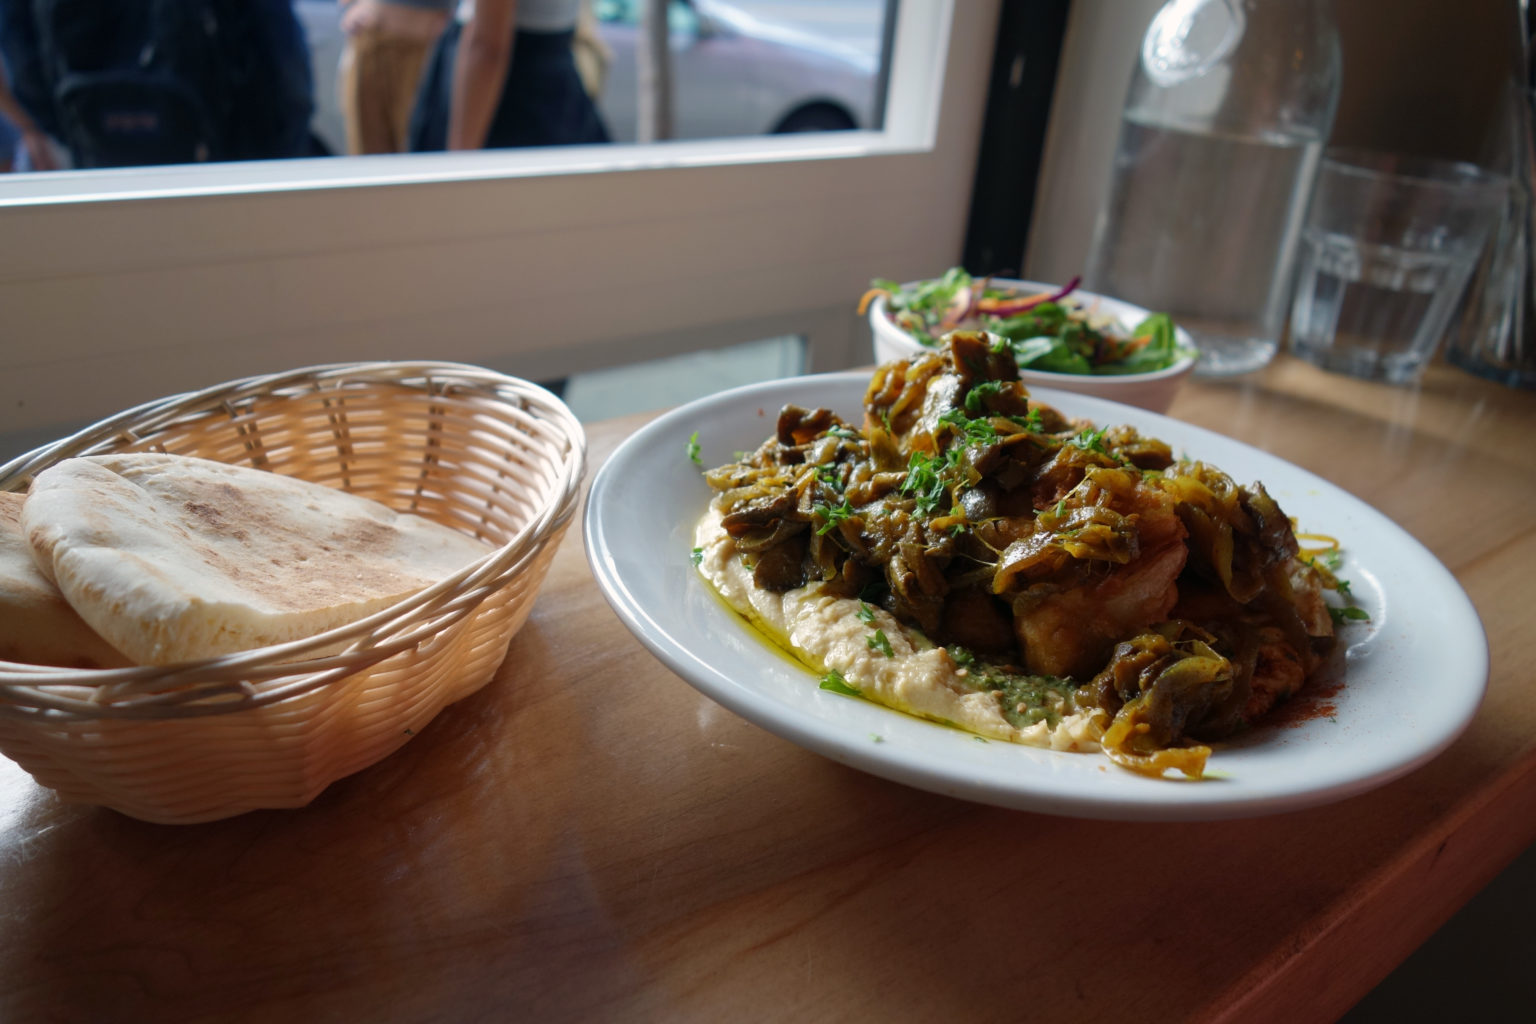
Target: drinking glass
{"points": [[1386, 251]]}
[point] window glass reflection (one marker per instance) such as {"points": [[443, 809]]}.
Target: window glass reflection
{"points": [[102, 83]]}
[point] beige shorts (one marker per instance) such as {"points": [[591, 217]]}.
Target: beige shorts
{"points": [[377, 85]]}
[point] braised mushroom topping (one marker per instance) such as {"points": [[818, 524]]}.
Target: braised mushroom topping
{"points": [[1072, 565]]}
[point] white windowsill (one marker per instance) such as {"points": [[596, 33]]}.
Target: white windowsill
{"points": [[269, 176]]}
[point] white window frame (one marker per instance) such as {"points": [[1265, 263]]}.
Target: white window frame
{"points": [[120, 286]]}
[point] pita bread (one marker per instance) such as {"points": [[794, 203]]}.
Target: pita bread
{"points": [[37, 626], [172, 558]]}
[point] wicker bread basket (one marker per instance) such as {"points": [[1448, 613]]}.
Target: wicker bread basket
{"points": [[492, 456]]}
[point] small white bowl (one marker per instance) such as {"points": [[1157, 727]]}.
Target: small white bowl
{"points": [[1152, 391]]}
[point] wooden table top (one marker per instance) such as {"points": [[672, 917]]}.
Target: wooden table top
{"points": [[589, 838]]}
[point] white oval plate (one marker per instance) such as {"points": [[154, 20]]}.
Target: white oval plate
{"points": [[1412, 677]]}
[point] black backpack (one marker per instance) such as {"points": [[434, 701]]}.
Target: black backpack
{"points": [[138, 82]]}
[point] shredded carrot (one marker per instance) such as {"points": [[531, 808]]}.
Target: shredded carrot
{"points": [[1322, 544], [868, 297], [988, 305]]}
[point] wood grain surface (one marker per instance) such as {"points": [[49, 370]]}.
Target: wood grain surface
{"points": [[588, 838]]}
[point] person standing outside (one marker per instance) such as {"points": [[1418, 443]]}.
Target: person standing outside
{"points": [[387, 45], [121, 83], [502, 75], [24, 146]]}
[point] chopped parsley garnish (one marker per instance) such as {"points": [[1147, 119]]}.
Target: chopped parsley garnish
{"points": [[975, 401], [979, 429], [924, 482], [1026, 699], [866, 613], [1327, 562], [1349, 613], [833, 516], [1030, 421], [1090, 441], [879, 642], [696, 556], [835, 682], [693, 449], [828, 475]]}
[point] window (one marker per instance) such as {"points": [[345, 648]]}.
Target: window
{"points": [[121, 286]]}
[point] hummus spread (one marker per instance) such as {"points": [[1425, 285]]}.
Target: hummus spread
{"points": [[839, 634]]}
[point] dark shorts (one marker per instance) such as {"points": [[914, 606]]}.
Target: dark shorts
{"points": [[9, 137], [542, 104]]}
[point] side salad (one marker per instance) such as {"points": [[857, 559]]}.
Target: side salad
{"points": [[1050, 331]]}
